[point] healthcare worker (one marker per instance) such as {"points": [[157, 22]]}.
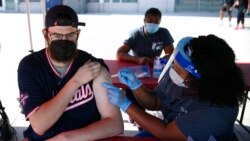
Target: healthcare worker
{"points": [[199, 93]]}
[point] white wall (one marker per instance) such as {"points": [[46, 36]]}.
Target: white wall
{"points": [[112, 7], [163, 5], [93, 7], [120, 7], [80, 6], [170, 4], [34, 7], [2, 8]]}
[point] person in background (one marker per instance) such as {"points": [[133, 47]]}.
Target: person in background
{"points": [[227, 4], [60, 86], [206, 107], [147, 42], [243, 8]]}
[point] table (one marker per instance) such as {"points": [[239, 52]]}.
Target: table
{"points": [[115, 66], [245, 67], [126, 138], [150, 82]]}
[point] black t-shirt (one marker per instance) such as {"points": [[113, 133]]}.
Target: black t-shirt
{"points": [[39, 82], [148, 45]]}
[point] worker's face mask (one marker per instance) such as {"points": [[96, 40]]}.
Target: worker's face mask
{"points": [[152, 27], [176, 78], [63, 50]]}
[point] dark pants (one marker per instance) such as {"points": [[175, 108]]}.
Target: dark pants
{"points": [[144, 134], [241, 15]]}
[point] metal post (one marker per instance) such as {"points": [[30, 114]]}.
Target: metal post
{"points": [[43, 10], [199, 4], [43, 7], [28, 16]]}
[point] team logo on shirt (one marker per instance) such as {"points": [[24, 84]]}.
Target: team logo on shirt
{"points": [[23, 99], [83, 95]]}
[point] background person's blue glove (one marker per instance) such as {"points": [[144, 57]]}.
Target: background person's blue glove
{"points": [[128, 78], [117, 97]]}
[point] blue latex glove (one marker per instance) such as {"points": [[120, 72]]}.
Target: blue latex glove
{"points": [[116, 96], [128, 78]]}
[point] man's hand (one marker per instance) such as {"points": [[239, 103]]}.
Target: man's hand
{"points": [[25, 139], [87, 72], [117, 96], [145, 61], [128, 78]]}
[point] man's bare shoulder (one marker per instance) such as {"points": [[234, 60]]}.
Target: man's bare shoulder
{"points": [[104, 76]]}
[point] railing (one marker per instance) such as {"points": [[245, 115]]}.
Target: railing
{"points": [[197, 5]]}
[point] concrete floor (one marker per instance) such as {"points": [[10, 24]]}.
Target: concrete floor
{"points": [[103, 34]]}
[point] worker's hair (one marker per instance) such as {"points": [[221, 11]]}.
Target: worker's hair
{"points": [[221, 80]]}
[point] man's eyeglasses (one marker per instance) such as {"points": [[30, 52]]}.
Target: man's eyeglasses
{"points": [[71, 36]]}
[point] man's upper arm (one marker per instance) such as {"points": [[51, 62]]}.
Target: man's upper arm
{"points": [[105, 108], [168, 50], [31, 96], [124, 49]]}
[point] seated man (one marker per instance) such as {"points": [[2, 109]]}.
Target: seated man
{"points": [[60, 86], [147, 42]]}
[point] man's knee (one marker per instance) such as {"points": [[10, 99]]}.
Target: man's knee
{"points": [[25, 139], [223, 8]]}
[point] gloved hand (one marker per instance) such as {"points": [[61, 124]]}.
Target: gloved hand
{"points": [[117, 97], [128, 78]]}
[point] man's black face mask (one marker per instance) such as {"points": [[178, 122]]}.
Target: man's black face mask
{"points": [[63, 50]]}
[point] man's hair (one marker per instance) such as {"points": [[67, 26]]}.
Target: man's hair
{"points": [[153, 11], [221, 80]]}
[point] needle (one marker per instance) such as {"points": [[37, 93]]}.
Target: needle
{"points": [[114, 75], [138, 75]]}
